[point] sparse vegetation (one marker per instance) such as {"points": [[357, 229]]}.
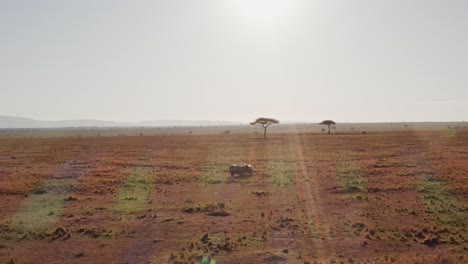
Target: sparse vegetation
{"points": [[380, 197], [203, 208], [328, 123], [282, 173], [265, 123], [261, 193], [213, 173]]}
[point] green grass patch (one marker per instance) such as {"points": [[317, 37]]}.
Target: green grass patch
{"points": [[351, 177], [135, 192], [43, 208], [441, 203], [282, 173], [213, 173]]}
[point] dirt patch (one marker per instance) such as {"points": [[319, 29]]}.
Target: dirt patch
{"points": [[379, 197]]}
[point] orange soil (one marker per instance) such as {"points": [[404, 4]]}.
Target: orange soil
{"points": [[379, 197]]}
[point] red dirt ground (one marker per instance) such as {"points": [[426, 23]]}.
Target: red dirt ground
{"points": [[379, 198]]}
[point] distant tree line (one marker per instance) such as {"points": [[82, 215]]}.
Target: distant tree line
{"points": [[265, 122]]}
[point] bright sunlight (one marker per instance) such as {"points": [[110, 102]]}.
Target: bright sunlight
{"points": [[263, 11]]}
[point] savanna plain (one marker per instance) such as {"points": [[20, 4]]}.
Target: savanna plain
{"points": [[380, 197]]}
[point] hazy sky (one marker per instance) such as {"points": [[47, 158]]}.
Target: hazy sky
{"points": [[362, 60]]}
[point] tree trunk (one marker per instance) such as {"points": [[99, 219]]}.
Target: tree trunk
{"points": [[328, 129], [264, 132]]}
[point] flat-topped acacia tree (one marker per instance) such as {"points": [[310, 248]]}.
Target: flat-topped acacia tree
{"points": [[328, 123], [265, 123]]}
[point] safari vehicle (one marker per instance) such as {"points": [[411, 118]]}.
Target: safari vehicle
{"points": [[241, 169]]}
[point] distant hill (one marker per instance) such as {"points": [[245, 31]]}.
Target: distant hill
{"points": [[21, 122], [190, 123]]}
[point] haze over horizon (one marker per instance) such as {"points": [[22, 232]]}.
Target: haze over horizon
{"points": [[205, 122], [228, 60]]}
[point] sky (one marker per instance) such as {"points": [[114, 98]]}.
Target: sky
{"points": [[235, 60]]}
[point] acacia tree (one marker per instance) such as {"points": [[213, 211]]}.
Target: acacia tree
{"points": [[265, 123], [328, 123]]}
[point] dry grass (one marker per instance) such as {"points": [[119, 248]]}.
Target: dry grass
{"points": [[397, 197]]}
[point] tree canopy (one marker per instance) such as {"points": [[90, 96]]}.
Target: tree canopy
{"points": [[328, 123], [264, 122]]}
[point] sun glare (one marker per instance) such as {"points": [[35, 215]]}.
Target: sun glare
{"points": [[263, 11]]}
